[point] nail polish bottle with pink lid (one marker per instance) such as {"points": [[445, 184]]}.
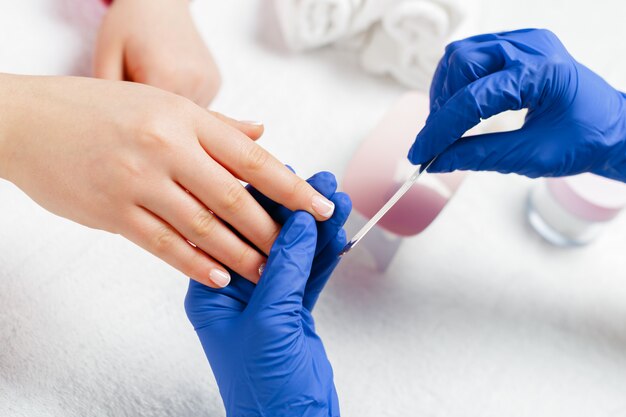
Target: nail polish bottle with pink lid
{"points": [[573, 211]]}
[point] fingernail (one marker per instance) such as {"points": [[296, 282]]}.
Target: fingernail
{"points": [[252, 122], [261, 269], [322, 206], [219, 277]]}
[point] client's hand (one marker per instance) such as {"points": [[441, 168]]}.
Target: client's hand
{"points": [[156, 42], [261, 341], [151, 166]]}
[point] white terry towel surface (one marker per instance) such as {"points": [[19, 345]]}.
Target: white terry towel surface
{"points": [[410, 39], [308, 24], [402, 38]]}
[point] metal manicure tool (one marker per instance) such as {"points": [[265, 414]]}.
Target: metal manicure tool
{"points": [[392, 201]]}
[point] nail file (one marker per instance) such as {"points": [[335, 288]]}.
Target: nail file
{"points": [[388, 205]]}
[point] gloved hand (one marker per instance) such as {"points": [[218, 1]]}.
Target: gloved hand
{"points": [[261, 340], [576, 122]]}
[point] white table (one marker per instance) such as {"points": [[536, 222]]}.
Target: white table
{"points": [[476, 316]]}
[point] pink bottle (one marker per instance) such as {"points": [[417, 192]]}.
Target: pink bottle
{"points": [[380, 167]]}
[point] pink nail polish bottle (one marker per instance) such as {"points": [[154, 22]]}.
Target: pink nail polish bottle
{"points": [[380, 167], [573, 211]]}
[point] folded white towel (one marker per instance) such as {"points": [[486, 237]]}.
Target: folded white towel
{"points": [[308, 24], [312, 23], [410, 40], [402, 38]]}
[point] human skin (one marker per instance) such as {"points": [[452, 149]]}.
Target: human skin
{"points": [[156, 42], [151, 166]]}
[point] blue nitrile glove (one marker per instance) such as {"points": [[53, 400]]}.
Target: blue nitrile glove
{"points": [[260, 340], [576, 122]]}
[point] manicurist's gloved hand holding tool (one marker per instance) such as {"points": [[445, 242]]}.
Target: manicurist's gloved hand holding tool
{"points": [[576, 121], [261, 340]]}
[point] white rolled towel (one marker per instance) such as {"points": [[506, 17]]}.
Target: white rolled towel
{"points": [[410, 39], [308, 24]]}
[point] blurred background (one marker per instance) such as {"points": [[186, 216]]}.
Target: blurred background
{"points": [[476, 316]]}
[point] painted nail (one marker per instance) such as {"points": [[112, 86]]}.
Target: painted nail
{"points": [[252, 122], [322, 206], [261, 269], [219, 277]]}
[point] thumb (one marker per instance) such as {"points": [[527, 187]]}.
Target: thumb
{"points": [[324, 265], [281, 286], [108, 57], [503, 152]]}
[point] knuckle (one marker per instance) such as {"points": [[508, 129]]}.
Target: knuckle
{"points": [[255, 158], [153, 133], [163, 241], [131, 168], [128, 180], [161, 128], [300, 187], [243, 256], [453, 46], [234, 197], [458, 57], [460, 65], [204, 224], [267, 242]]}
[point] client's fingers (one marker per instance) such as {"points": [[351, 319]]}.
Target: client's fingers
{"points": [[329, 229], [254, 130], [251, 163], [159, 238], [199, 225], [324, 182], [108, 61], [218, 190]]}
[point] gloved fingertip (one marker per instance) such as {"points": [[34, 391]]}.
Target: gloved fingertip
{"points": [[413, 155], [409, 155], [440, 165], [343, 203], [330, 177], [324, 182]]}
